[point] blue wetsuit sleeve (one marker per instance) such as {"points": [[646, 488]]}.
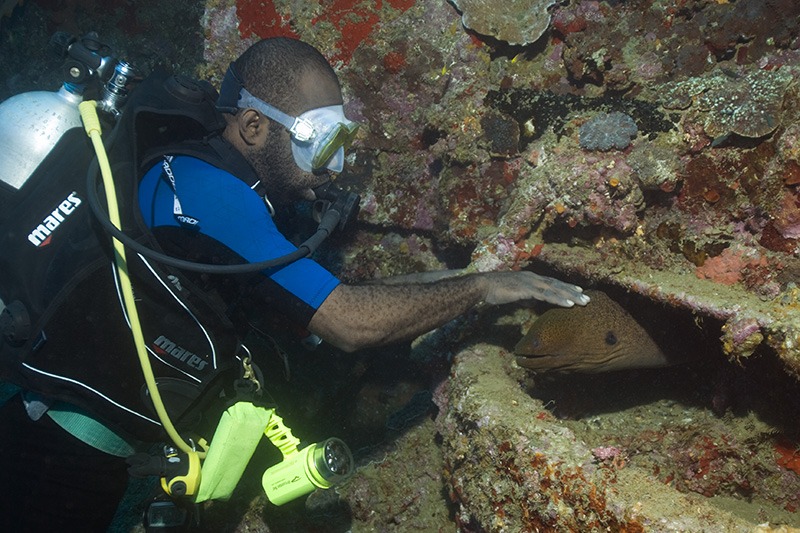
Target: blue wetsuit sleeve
{"points": [[230, 212]]}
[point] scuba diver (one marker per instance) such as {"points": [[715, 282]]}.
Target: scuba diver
{"points": [[190, 207]]}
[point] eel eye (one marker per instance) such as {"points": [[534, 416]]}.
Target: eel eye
{"points": [[611, 339]]}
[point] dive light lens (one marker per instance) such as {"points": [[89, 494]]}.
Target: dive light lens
{"points": [[333, 460]]}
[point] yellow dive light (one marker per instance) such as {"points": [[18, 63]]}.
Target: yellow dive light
{"points": [[319, 465], [301, 471]]}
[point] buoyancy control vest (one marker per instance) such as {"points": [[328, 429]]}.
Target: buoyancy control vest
{"points": [[65, 333]]}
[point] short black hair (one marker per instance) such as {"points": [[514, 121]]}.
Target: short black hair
{"points": [[271, 70]]}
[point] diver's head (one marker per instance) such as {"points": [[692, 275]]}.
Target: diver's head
{"points": [[285, 116]]}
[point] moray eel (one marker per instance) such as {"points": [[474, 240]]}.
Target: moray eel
{"points": [[599, 337]]}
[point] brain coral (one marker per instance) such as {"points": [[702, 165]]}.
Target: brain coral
{"points": [[513, 21], [607, 131]]}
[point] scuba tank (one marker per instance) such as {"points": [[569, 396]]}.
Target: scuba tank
{"points": [[63, 333], [30, 126], [32, 123]]}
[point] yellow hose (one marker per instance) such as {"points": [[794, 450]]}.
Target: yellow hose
{"points": [[92, 125]]}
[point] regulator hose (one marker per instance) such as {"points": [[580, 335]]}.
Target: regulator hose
{"points": [[327, 224], [92, 125]]}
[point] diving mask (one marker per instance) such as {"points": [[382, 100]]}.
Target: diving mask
{"points": [[319, 136]]}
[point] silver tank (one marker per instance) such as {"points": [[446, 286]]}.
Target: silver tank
{"points": [[30, 126]]}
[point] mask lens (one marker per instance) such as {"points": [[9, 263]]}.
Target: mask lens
{"points": [[341, 136]]}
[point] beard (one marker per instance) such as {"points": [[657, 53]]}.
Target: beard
{"points": [[274, 169], [274, 164]]}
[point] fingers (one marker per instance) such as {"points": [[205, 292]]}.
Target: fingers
{"points": [[572, 294], [557, 298], [582, 299], [507, 287], [557, 292]]}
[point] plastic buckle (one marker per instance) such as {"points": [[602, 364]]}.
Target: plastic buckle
{"points": [[302, 130]]}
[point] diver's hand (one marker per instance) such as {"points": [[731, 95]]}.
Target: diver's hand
{"points": [[507, 287]]}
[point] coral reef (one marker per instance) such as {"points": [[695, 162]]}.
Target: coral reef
{"points": [[402, 492], [512, 466], [513, 21], [471, 156], [477, 153], [747, 104]]}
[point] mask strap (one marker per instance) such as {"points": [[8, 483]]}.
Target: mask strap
{"points": [[301, 129], [233, 96], [227, 101]]}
